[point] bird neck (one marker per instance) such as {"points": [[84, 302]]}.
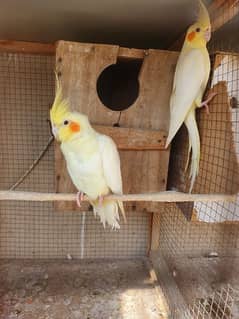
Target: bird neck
{"points": [[86, 143], [195, 45]]}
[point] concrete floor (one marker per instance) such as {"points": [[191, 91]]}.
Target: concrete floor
{"points": [[72, 290]]}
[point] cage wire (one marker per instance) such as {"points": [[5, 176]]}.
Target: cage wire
{"points": [[221, 301], [35, 229], [199, 241], [222, 304]]}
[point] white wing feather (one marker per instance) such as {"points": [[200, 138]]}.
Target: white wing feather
{"points": [[111, 163], [189, 84]]}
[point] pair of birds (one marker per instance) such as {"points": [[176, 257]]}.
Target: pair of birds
{"points": [[92, 159]]}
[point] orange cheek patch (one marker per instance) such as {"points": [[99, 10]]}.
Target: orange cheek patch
{"points": [[191, 36], [74, 127]]}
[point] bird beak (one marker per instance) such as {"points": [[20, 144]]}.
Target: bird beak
{"points": [[55, 131], [207, 35]]}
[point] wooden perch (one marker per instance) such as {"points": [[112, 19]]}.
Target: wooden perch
{"points": [[167, 196]]}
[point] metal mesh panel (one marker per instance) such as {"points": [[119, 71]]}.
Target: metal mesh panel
{"points": [[218, 303], [223, 304], [180, 238], [199, 256], [34, 229], [227, 120]]}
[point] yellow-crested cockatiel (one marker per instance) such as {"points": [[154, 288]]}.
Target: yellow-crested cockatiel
{"points": [[190, 81], [92, 160]]}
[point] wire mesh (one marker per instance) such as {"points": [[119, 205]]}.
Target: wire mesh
{"points": [[225, 152], [180, 238], [200, 301], [35, 230], [222, 304]]}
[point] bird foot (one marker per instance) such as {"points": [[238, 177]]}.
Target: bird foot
{"points": [[79, 198], [206, 102]]}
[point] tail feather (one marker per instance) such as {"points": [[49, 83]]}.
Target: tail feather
{"points": [[176, 120], [194, 139], [108, 212], [188, 156], [121, 206], [172, 132]]}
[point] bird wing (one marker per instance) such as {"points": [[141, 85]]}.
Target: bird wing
{"points": [[189, 81], [111, 163]]}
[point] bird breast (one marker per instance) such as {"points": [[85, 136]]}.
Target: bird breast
{"points": [[86, 172]]}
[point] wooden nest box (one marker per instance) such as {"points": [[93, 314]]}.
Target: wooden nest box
{"points": [[141, 128]]}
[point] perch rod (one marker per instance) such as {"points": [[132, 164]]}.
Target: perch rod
{"points": [[167, 196]]}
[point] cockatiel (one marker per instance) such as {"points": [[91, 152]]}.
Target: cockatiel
{"points": [[190, 81], [92, 160]]}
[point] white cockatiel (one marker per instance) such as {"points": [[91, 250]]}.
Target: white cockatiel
{"points": [[92, 160], [190, 81]]}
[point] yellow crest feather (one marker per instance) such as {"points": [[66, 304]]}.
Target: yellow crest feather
{"points": [[203, 16], [60, 108]]}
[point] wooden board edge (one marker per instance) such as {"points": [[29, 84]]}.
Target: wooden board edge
{"points": [[134, 139], [27, 47]]}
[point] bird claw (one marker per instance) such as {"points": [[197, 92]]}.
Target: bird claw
{"points": [[79, 198], [207, 108], [205, 103]]}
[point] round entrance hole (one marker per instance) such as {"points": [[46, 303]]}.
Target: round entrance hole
{"points": [[118, 85]]}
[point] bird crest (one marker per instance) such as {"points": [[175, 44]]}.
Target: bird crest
{"points": [[203, 15], [60, 108]]}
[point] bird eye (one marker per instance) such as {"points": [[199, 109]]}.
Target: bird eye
{"points": [[66, 122], [198, 30]]}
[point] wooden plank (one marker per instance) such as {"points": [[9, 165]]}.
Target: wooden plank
{"points": [[27, 47], [134, 139], [221, 12], [217, 61], [215, 5], [150, 111], [132, 53], [50, 49], [155, 229], [167, 196]]}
